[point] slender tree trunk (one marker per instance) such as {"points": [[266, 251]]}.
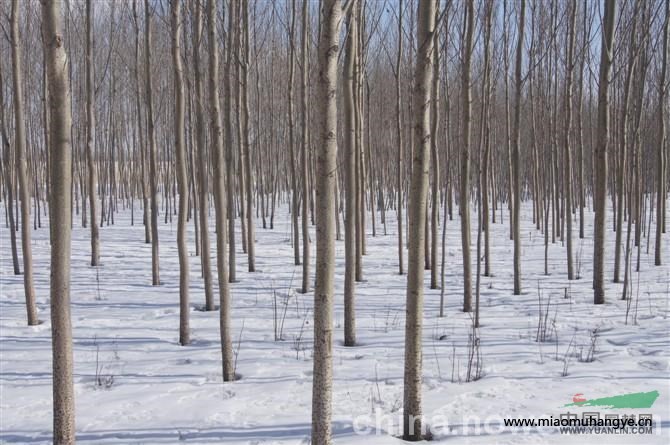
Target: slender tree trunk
{"points": [[203, 160], [326, 168], [486, 124], [153, 173], [60, 152], [623, 150], [294, 182], [248, 178], [182, 178], [660, 161], [138, 109], [464, 192], [90, 137], [230, 162], [412, 422], [516, 149], [219, 197], [567, 178], [22, 166], [601, 148], [349, 131], [435, 165], [304, 148], [9, 165], [399, 203], [580, 122]]}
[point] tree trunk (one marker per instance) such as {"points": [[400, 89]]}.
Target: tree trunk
{"points": [[90, 137], [412, 423], [516, 148], [22, 167], [182, 178], [602, 145], [219, 197], [399, 203], [60, 153], [294, 181], [326, 168], [248, 178], [8, 174], [304, 148], [464, 192], [153, 174], [203, 160], [230, 162], [435, 165], [567, 178], [349, 132], [138, 110], [660, 161], [623, 150]]}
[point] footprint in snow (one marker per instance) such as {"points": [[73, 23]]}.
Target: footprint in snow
{"points": [[654, 365]]}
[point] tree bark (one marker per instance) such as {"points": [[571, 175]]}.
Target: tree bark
{"points": [[219, 197], [8, 174], [90, 137], [601, 148], [660, 160], [22, 167], [412, 423], [516, 149], [248, 178], [399, 203], [349, 132], [464, 192], [304, 149], [203, 182], [153, 174], [294, 181], [182, 178], [567, 178], [230, 163], [60, 152], [326, 168], [435, 165]]}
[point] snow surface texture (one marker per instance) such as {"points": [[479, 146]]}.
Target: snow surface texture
{"points": [[150, 390]]}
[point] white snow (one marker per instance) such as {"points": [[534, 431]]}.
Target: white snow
{"points": [[165, 393]]}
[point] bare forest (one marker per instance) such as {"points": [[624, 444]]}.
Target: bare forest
{"points": [[333, 221]]}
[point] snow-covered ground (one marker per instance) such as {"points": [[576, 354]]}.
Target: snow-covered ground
{"points": [[160, 392]]}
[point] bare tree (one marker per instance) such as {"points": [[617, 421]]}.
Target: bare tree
{"points": [[153, 179], [601, 147], [464, 192], [326, 167], [516, 149], [662, 141], [412, 428], [349, 131], [182, 177], [203, 182], [399, 202], [219, 196], [9, 165], [249, 179], [435, 154], [60, 152], [90, 137], [305, 147], [22, 167], [567, 178], [291, 129], [138, 111], [228, 135]]}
